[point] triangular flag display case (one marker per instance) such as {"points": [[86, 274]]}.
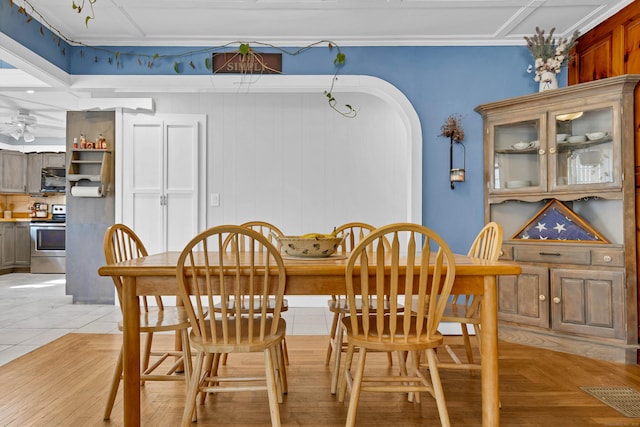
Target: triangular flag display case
{"points": [[557, 223]]}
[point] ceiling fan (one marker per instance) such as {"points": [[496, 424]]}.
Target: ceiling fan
{"points": [[21, 125]]}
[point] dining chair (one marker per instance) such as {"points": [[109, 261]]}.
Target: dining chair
{"points": [[271, 232], [120, 244], [207, 273], [418, 265], [465, 309], [354, 232]]}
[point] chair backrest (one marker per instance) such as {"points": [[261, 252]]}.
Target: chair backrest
{"points": [[400, 273], [121, 243], [488, 243], [268, 230], [207, 275], [354, 232]]}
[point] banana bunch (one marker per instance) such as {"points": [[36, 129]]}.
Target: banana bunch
{"points": [[331, 235]]}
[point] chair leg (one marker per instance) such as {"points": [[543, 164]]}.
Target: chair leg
{"points": [[335, 375], [285, 352], [192, 391], [147, 353], [186, 355], [332, 337], [346, 374], [282, 369], [269, 366], [414, 364], [211, 363], [355, 390], [437, 388], [115, 383], [467, 342]]}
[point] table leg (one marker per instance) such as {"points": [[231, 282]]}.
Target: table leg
{"points": [[131, 353], [489, 350]]}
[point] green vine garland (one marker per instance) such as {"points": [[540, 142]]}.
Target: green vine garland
{"points": [[245, 50]]}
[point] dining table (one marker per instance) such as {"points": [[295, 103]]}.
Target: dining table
{"points": [[156, 275]]}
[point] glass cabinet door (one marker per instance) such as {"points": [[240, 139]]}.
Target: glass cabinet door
{"points": [[584, 148], [516, 161]]}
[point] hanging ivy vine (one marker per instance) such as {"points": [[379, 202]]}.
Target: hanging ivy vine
{"points": [[245, 49]]}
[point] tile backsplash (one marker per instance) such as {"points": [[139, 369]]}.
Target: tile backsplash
{"points": [[19, 203]]}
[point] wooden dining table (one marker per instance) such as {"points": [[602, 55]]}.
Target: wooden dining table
{"points": [[156, 275]]}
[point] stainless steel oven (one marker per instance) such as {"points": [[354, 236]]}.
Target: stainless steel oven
{"points": [[48, 249]]}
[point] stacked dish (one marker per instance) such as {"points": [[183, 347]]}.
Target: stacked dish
{"points": [[577, 138]]}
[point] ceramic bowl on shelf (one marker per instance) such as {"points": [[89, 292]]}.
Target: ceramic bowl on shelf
{"points": [[577, 138], [521, 145], [596, 135], [561, 137]]}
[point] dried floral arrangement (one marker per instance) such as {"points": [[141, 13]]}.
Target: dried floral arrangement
{"points": [[452, 128], [550, 54]]}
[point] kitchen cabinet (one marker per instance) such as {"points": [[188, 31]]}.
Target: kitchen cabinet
{"points": [[574, 145], [13, 176], [54, 160], [16, 244], [35, 163], [8, 244], [568, 289], [34, 173], [22, 244]]}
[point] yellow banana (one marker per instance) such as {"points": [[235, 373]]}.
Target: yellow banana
{"points": [[320, 235]]}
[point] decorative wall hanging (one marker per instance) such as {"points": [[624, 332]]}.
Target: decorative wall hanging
{"points": [[556, 222], [452, 129]]}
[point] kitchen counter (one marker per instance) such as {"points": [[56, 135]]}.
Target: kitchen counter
{"points": [[21, 219]]}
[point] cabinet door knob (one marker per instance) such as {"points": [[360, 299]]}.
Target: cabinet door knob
{"points": [[542, 152], [556, 300], [542, 298], [606, 258]]}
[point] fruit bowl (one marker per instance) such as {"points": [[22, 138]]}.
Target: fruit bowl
{"points": [[309, 247]]}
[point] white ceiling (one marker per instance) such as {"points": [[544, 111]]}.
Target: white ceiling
{"points": [[287, 23]]}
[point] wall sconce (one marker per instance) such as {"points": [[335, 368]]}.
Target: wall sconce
{"points": [[452, 129], [457, 174]]}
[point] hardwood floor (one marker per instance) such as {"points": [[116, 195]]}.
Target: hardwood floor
{"points": [[65, 383]]}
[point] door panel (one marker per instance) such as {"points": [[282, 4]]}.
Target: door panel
{"points": [[588, 302], [160, 179], [523, 298]]}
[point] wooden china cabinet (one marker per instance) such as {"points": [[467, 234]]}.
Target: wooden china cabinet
{"points": [[572, 148], [613, 49]]}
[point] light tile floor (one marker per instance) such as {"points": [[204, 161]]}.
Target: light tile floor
{"points": [[34, 311]]}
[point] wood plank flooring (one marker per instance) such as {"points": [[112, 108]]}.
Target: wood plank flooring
{"points": [[65, 383]]}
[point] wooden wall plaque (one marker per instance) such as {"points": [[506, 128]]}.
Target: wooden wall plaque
{"points": [[252, 63]]}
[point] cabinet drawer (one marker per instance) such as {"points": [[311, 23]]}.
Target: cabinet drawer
{"points": [[607, 257], [506, 253], [553, 255]]}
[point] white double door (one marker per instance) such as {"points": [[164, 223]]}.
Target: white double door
{"points": [[163, 178]]}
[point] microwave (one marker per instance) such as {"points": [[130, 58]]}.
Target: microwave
{"points": [[53, 180]]}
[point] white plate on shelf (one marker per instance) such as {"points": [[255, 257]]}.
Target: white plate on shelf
{"points": [[577, 138], [518, 184], [522, 145]]}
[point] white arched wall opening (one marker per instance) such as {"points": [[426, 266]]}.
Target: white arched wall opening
{"points": [[128, 86]]}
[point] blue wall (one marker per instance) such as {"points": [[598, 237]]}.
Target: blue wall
{"points": [[438, 81]]}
